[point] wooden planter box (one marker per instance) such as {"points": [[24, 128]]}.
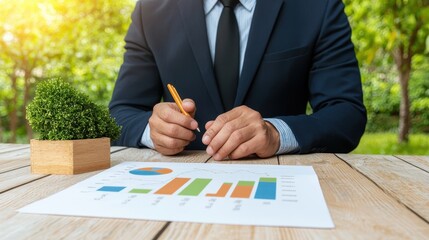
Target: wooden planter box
{"points": [[69, 156]]}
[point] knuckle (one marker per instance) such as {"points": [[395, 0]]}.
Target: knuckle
{"points": [[170, 143], [223, 153], [244, 149], [243, 108], [215, 144], [153, 136], [235, 155], [229, 127], [210, 132], [176, 150], [237, 136], [170, 152], [170, 130], [223, 118], [153, 121], [189, 136], [256, 115], [165, 114], [261, 126], [239, 152], [185, 121]]}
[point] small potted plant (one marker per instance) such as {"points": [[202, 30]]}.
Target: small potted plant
{"points": [[74, 133]]}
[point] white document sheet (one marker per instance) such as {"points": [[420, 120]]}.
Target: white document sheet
{"points": [[265, 195]]}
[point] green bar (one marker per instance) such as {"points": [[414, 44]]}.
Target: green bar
{"points": [[246, 183], [136, 190], [195, 187], [263, 179]]}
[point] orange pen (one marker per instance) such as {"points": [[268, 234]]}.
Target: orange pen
{"points": [[178, 100]]}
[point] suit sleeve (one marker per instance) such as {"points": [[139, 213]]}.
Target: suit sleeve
{"points": [[339, 116], [138, 87]]}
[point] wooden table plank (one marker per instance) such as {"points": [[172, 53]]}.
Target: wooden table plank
{"points": [[16, 171], [418, 161], [404, 182], [12, 179], [175, 230], [14, 225], [254, 160], [179, 230], [8, 147], [16, 159], [359, 208], [116, 148], [148, 155], [11, 160]]}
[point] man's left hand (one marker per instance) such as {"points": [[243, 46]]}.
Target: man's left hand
{"points": [[240, 133]]}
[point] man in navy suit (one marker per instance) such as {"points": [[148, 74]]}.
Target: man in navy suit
{"points": [[292, 52]]}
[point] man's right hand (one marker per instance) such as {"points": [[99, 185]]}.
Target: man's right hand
{"points": [[170, 130]]}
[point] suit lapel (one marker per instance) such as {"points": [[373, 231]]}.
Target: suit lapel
{"points": [[263, 21], [192, 13]]}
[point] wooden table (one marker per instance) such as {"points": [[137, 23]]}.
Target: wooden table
{"points": [[368, 196]]}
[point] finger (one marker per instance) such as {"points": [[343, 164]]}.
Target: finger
{"points": [[264, 143], [229, 129], [208, 124], [169, 112], [167, 151], [247, 148], [189, 106], [237, 138], [169, 142], [161, 128], [176, 131], [218, 124]]}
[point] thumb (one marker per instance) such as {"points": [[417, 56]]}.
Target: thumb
{"points": [[189, 106]]}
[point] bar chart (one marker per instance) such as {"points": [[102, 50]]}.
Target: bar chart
{"points": [[212, 193], [265, 186]]}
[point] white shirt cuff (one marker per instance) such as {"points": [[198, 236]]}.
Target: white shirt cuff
{"points": [[288, 143], [146, 140]]}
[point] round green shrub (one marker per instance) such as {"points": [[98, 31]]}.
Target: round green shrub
{"points": [[60, 112]]}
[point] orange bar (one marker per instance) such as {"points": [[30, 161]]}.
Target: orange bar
{"points": [[172, 186], [242, 192], [243, 189], [223, 190]]}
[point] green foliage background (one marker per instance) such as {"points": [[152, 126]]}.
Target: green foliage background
{"points": [[379, 29], [78, 41], [381, 96]]}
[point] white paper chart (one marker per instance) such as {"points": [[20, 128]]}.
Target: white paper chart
{"points": [[195, 192]]}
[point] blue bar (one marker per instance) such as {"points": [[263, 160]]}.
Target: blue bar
{"points": [[111, 189], [266, 189]]}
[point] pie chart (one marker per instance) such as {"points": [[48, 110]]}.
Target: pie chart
{"points": [[151, 171]]}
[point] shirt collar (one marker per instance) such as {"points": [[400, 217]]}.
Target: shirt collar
{"points": [[248, 4], [210, 4]]}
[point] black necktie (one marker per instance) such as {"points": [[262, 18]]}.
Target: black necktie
{"points": [[227, 55]]}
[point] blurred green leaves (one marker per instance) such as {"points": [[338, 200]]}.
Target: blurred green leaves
{"points": [[383, 30], [79, 41]]}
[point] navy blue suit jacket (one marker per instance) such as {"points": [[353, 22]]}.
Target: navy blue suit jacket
{"points": [[298, 51]]}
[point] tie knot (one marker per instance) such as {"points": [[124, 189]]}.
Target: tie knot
{"points": [[230, 3]]}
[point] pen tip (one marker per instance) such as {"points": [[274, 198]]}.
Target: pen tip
{"points": [[198, 129]]}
